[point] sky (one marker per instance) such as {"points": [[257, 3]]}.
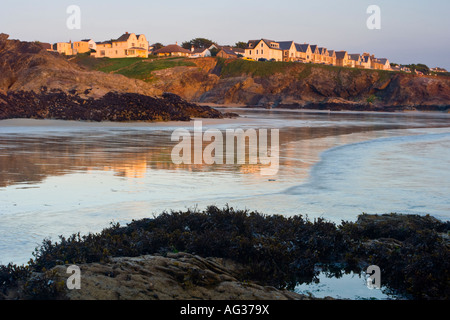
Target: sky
{"points": [[412, 31]]}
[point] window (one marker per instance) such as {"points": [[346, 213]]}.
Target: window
{"points": [[257, 52], [262, 51], [262, 45], [250, 52]]}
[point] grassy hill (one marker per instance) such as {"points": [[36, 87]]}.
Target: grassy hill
{"points": [[136, 68]]}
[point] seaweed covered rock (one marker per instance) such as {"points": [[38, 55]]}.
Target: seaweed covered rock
{"points": [[177, 276], [270, 250], [113, 106], [412, 251]]}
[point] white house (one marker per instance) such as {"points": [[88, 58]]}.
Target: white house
{"points": [[200, 53]]}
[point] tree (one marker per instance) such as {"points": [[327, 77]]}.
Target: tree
{"points": [[214, 52], [419, 67], [157, 46], [241, 45], [198, 43]]}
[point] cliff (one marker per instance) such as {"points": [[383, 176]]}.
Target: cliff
{"points": [[303, 85], [27, 67], [35, 83]]}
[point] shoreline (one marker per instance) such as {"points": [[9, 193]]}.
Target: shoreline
{"points": [[187, 267], [26, 122], [31, 122], [321, 108]]}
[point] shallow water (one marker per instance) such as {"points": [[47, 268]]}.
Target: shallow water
{"points": [[59, 178]]}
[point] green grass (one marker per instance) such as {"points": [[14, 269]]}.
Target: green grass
{"points": [[239, 67], [143, 69], [137, 68]]}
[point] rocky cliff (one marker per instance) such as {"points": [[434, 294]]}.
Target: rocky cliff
{"points": [[26, 66], [303, 85], [35, 83]]}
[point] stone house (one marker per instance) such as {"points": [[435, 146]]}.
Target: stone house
{"points": [[342, 58], [230, 52], [304, 52]]}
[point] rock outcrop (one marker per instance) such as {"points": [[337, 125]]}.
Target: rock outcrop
{"points": [[35, 83], [177, 276], [27, 66], [112, 106], [298, 85]]}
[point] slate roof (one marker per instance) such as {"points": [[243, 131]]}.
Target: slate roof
{"points": [[172, 48], [302, 47], [234, 51], [354, 56], [255, 42], [285, 45], [340, 54]]}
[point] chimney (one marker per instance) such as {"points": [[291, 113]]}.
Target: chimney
{"points": [[192, 48], [126, 32]]}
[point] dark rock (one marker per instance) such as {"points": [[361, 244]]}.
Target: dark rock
{"points": [[111, 107]]}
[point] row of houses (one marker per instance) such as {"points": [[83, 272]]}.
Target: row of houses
{"points": [[127, 45], [137, 45], [291, 51], [226, 52]]}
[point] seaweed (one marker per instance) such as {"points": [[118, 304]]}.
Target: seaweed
{"points": [[412, 251]]}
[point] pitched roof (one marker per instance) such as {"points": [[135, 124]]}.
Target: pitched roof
{"points": [[172, 48], [285, 45], [123, 37], [331, 53], [302, 47], [233, 51], [322, 50], [354, 56], [266, 41], [340, 54], [199, 50], [366, 58], [313, 47], [383, 60]]}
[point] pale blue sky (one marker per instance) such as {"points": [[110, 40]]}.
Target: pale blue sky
{"points": [[412, 31]]}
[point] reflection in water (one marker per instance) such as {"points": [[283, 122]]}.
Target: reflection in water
{"points": [[31, 158], [61, 179]]}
